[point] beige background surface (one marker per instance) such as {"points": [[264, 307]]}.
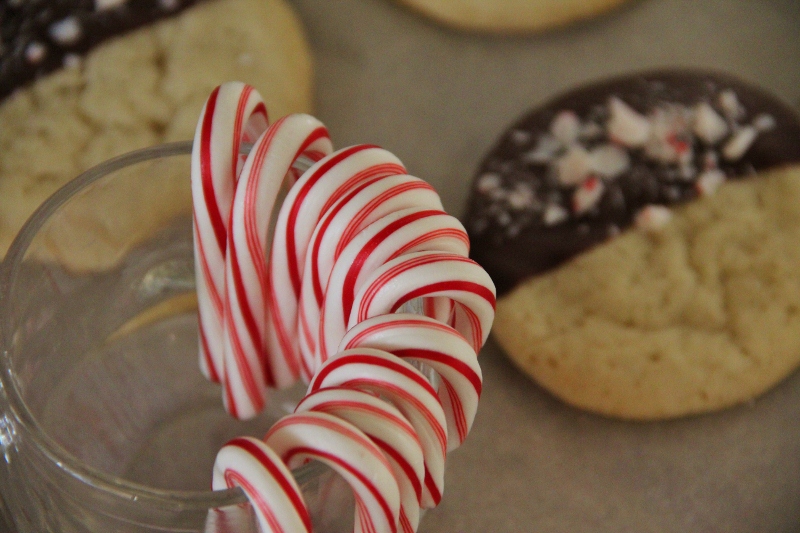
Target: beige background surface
{"points": [[438, 98]]}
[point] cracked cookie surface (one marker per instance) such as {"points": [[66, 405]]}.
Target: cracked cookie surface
{"points": [[699, 314], [141, 89]]}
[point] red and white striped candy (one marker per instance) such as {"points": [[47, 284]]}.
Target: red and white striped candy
{"points": [[234, 113], [314, 193], [409, 230], [276, 499], [389, 430], [392, 378], [345, 448], [419, 338], [431, 274], [247, 369], [363, 205]]}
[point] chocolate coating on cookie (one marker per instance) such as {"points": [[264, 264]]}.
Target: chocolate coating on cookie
{"points": [[581, 168], [39, 36]]}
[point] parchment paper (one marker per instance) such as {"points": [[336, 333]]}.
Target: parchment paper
{"points": [[438, 98]]}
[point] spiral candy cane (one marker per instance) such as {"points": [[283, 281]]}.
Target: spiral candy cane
{"points": [[321, 186], [248, 368], [356, 242], [234, 113], [405, 231], [389, 430], [347, 450]]}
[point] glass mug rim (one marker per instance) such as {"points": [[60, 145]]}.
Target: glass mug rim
{"points": [[70, 465]]}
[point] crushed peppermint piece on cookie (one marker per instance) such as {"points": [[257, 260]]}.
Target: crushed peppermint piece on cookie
{"points": [[101, 5], [574, 166], [66, 31], [709, 126], [609, 160], [489, 182], [169, 5], [35, 52], [730, 105], [652, 217], [554, 214], [764, 122], [626, 125], [566, 127], [741, 141], [709, 181], [587, 195], [544, 151], [521, 197]]}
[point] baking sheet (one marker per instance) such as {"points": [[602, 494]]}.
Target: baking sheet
{"points": [[438, 98]]}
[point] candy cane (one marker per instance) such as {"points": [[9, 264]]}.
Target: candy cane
{"points": [[248, 371], [363, 205], [389, 430], [425, 275], [234, 113], [320, 187], [419, 338], [345, 448], [392, 378], [253, 466], [406, 231]]}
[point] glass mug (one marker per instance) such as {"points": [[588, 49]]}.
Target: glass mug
{"points": [[106, 423]]}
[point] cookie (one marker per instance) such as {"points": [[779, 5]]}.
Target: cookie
{"points": [[85, 81], [509, 16], [702, 314], [641, 276]]}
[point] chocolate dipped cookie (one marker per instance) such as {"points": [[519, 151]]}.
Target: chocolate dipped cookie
{"points": [[82, 81], [641, 275]]}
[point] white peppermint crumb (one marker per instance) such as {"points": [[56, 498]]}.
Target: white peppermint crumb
{"points": [[708, 125], [520, 137], [565, 127], [100, 5], [521, 197], [66, 31], [764, 122], [554, 214], [670, 135], [626, 125], [72, 61], [544, 152], [739, 143], [730, 105], [573, 167], [245, 59], [587, 195], [513, 230], [609, 161], [652, 217], [709, 181], [35, 52], [488, 182], [503, 218], [169, 5]]}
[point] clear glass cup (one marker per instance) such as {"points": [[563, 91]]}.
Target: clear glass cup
{"points": [[106, 423]]}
